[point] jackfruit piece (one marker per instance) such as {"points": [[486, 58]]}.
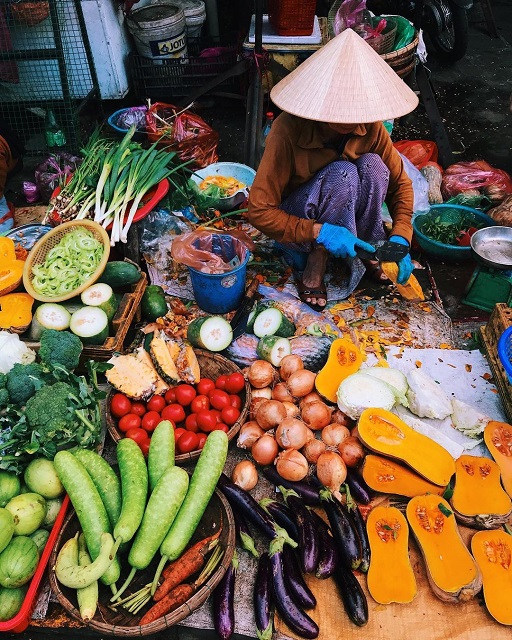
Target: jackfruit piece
{"points": [[162, 357], [131, 376], [187, 365], [161, 386]]}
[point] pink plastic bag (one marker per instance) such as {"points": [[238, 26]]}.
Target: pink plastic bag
{"points": [[349, 15], [211, 252], [476, 176]]}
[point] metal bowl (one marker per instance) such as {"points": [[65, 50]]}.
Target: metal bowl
{"points": [[240, 172], [493, 246]]}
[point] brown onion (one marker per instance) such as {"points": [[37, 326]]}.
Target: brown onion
{"points": [[253, 407], [290, 364], [248, 434], [264, 392], [313, 449], [301, 383], [245, 475], [311, 397], [291, 434], [333, 434], [265, 449], [316, 415], [281, 393], [292, 465], [331, 470], [292, 410], [261, 374], [270, 413], [352, 452], [354, 432], [341, 418], [309, 435]]}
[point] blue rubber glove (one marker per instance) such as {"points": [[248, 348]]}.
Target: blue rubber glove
{"points": [[405, 265], [340, 241]]}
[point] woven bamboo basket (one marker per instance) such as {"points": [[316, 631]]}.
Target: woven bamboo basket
{"points": [[29, 14], [212, 366], [403, 60], [292, 18], [51, 239], [124, 624]]}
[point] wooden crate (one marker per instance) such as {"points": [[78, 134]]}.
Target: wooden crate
{"points": [[490, 343], [500, 319]]}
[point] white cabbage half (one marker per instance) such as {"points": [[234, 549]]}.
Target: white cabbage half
{"points": [[360, 391], [394, 378], [426, 398], [467, 419]]}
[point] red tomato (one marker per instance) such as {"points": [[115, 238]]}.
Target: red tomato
{"points": [[217, 414], [155, 403], [235, 401], [144, 447], [120, 405], [139, 435], [170, 396], [174, 412], [230, 415], [201, 439], [150, 420], [219, 399], [221, 427], [235, 382], [206, 420], [138, 408], [191, 423], [204, 386], [185, 393], [187, 442], [178, 432], [200, 403], [220, 383], [129, 421]]}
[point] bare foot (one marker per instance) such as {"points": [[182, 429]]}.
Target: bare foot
{"points": [[313, 276]]}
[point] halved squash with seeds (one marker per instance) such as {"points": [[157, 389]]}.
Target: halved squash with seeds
{"points": [[451, 570], [11, 269], [388, 476], [16, 311], [498, 438], [161, 355]]}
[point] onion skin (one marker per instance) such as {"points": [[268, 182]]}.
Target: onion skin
{"points": [[331, 470], [261, 374], [265, 392], [292, 465], [301, 383], [313, 396], [292, 410], [316, 415], [351, 451], [269, 414], [281, 393], [253, 407], [291, 434], [334, 433], [245, 475], [313, 449], [339, 417], [290, 364], [265, 450], [248, 435]]}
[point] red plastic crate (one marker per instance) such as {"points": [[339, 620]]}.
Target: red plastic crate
{"points": [[21, 620], [292, 18]]}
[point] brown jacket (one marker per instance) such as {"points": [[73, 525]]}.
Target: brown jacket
{"points": [[295, 152], [7, 163]]}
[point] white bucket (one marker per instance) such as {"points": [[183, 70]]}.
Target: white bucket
{"points": [[159, 30], [195, 15]]}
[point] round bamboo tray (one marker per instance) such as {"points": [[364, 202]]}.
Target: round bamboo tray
{"points": [[124, 624], [41, 248], [212, 365], [403, 60]]}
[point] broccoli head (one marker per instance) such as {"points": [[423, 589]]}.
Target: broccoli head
{"points": [[4, 398], [60, 347], [3, 380], [23, 380], [48, 410]]}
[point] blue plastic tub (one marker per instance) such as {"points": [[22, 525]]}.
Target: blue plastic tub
{"points": [[220, 292]]}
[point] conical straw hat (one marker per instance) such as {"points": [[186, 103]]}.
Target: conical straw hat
{"points": [[347, 82]]}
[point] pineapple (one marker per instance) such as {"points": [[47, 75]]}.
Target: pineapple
{"points": [[131, 376], [187, 365], [161, 351]]}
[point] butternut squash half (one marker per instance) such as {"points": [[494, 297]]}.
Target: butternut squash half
{"points": [[478, 499], [344, 359], [451, 570], [384, 432], [16, 312], [411, 290], [498, 438], [390, 576], [11, 269], [492, 551], [389, 476]]}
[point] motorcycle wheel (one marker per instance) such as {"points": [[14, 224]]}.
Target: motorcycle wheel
{"points": [[448, 33]]}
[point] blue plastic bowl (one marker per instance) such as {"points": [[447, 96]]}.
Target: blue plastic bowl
{"points": [[505, 351], [449, 214], [138, 136]]}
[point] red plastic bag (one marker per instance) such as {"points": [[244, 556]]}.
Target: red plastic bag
{"points": [[419, 152], [477, 176], [183, 132], [211, 251]]}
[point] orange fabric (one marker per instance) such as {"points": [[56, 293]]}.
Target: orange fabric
{"points": [[7, 163], [295, 151]]}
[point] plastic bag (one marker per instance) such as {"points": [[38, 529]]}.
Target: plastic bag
{"points": [[419, 152], [479, 175], [502, 214], [132, 116], [212, 252], [350, 15], [405, 32], [419, 185], [53, 172], [183, 132]]}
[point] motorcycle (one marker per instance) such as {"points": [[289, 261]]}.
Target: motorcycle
{"points": [[444, 22]]}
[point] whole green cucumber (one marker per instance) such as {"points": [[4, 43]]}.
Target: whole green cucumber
{"points": [[161, 452], [163, 506], [105, 481], [88, 506], [87, 597], [134, 489], [202, 485]]}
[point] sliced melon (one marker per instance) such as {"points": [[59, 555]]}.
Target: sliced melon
{"points": [[90, 324]]}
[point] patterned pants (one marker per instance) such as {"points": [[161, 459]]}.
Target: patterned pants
{"points": [[349, 194]]}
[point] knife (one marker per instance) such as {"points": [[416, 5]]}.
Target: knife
{"points": [[239, 320], [385, 251]]}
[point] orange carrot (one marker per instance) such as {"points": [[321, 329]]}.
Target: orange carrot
{"points": [[178, 596]]}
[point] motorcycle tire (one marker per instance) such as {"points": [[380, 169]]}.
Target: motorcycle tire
{"points": [[452, 45]]}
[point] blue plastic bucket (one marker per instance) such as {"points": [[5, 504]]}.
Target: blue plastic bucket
{"points": [[220, 292]]}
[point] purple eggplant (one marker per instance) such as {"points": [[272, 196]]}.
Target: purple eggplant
{"points": [[358, 487], [243, 502], [298, 621], [328, 551], [307, 492], [308, 542], [262, 599], [295, 583], [360, 527], [282, 515], [224, 602], [352, 595], [244, 535], [343, 531]]}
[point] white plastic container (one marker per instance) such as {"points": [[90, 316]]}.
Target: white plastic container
{"points": [[159, 30]]}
